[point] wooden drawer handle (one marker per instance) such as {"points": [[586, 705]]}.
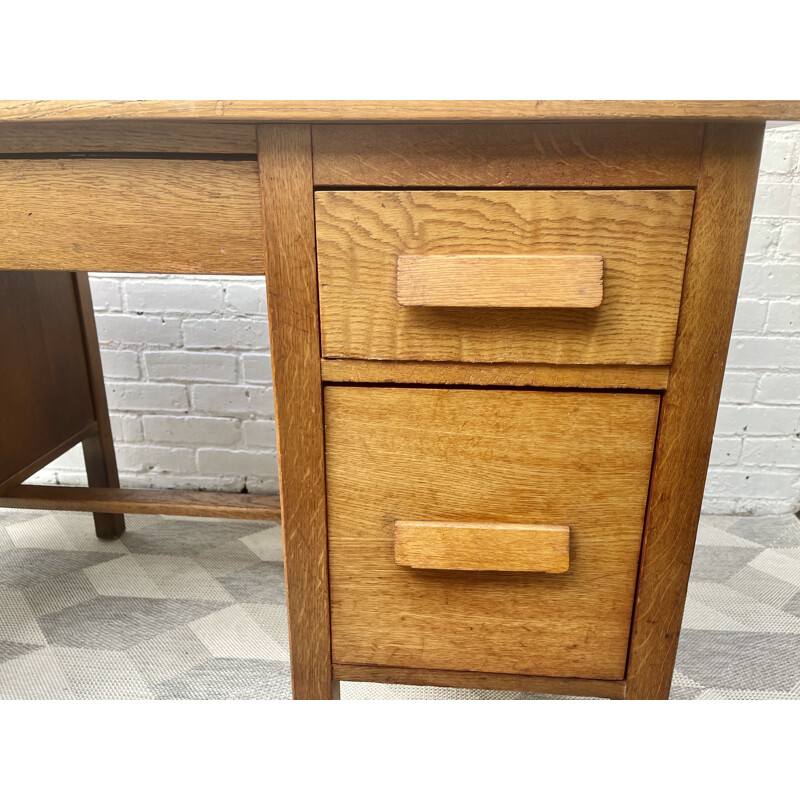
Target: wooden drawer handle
{"points": [[569, 281], [493, 546]]}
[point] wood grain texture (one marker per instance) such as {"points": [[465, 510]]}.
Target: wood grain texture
{"points": [[110, 501], [613, 690], [642, 236], [688, 413], [45, 399], [395, 110], [581, 459], [481, 546], [127, 137], [284, 159], [598, 154], [609, 376], [541, 281], [138, 215]]}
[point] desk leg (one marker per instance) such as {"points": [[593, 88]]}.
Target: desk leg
{"points": [[98, 450], [723, 204], [102, 475], [287, 202]]}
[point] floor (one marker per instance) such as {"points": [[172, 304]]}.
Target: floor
{"points": [[184, 608]]}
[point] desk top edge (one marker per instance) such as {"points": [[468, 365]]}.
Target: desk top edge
{"points": [[394, 111]]}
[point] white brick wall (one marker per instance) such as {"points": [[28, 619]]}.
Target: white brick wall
{"points": [[189, 379], [755, 462], [189, 383]]}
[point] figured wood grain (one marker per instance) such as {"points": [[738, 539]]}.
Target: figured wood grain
{"points": [[689, 409], [642, 236], [580, 687], [481, 546], [138, 215], [609, 376], [542, 281], [581, 459], [284, 160], [127, 137], [594, 154], [115, 501], [395, 110], [45, 399]]}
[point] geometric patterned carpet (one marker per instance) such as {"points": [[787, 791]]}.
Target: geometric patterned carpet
{"points": [[185, 608]]}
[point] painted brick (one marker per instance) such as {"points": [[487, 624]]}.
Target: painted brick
{"points": [[233, 399], [116, 426], [156, 296], [134, 329], [146, 397], [150, 458], [746, 506], [183, 482], [757, 482], [778, 156], [212, 461], [191, 430], [226, 333], [770, 280], [756, 421], [763, 352], [726, 451], [190, 366], [106, 294], [738, 387], [763, 237], [772, 199], [779, 389], [257, 367], [779, 452], [794, 202], [251, 298], [126, 427], [784, 316], [259, 433], [750, 316], [790, 241], [258, 485], [120, 364], [71, 460]]}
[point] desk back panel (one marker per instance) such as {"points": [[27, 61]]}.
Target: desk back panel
{"points": [[45, 400]]}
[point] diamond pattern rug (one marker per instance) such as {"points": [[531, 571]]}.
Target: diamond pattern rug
{"points": [[185, 608]]}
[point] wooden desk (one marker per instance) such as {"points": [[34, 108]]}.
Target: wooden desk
{"points": [[498, 335]]}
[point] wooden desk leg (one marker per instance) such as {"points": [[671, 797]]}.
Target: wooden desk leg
{"points": [[287, 201], [728, 174], [98, 450]]}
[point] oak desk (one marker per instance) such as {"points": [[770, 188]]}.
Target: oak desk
{"points": [[498, 335]]}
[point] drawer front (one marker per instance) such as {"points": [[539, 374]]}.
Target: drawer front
{"points": [[502, 276], [131, 214], [538, 471]]}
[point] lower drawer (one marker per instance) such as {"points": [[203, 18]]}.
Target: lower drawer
{"points": [[560, 460]]}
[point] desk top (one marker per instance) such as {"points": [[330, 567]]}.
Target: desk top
{"points": [[392, 110]]}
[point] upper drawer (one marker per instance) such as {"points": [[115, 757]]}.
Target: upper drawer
{"points": [[640, 235], [131, 214]]}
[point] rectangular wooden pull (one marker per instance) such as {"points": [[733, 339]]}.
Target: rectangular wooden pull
{"points": [[540, 281], [496, 546]]}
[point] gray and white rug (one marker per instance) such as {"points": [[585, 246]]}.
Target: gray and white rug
{"points": [[186, 608]]}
